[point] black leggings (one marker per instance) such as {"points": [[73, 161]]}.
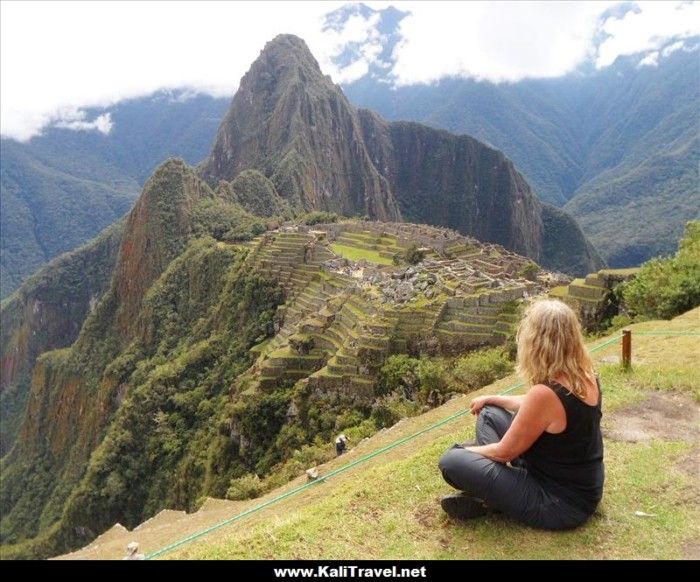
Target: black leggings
{"points": [[509, 489]]}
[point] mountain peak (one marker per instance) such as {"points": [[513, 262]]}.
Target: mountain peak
{"points": [[287, 42], [285, 56], [292, 124], [295, 127]]}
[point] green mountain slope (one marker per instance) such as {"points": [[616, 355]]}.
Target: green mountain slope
{"points": [[660, 190], [46, 212], [63, 187], [161, 400], [46, 314]]}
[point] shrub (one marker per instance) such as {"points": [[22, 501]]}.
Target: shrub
{"points": [[318, 217], [529, 271], [363, 430], [668, 287], [432, 377], [246, 487], [244, 232], [347, 419], [413, 255], [400, 372], [388, 410], [480, 368]]}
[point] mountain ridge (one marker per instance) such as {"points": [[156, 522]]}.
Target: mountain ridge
{"points": [[584, 141], [88, 179]]}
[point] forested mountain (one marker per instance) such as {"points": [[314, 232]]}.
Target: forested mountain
{"points": [[62, 188], [615, 147], [291, 123]]}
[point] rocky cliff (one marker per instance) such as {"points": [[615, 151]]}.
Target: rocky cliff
{"points": [[296, 127]]}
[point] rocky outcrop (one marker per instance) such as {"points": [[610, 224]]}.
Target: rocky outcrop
{"points": [[155, 233], [297, 128], [564, 246], [294, 125], [458, 182]]}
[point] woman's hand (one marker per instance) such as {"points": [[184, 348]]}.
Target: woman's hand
{"points": [[478, 403]]}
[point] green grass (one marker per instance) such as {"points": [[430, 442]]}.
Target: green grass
{"points": [[357, 254], [393, 512], [389, 509]]}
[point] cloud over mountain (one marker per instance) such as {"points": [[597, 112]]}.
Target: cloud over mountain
{"points": [[69, 58]]}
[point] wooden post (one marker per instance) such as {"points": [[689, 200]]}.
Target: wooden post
{"points": [[626, 348]]}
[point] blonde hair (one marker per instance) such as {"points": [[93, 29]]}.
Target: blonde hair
{"points": [[550, 344]]}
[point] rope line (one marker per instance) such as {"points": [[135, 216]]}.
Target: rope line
{"points": [[365, 458]]}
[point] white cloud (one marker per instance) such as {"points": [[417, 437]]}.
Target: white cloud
{"points": [[672, 48], [651, 60], [499, 41], [649, 28], [352, 72], [58, 56], [357, 29], [102, 123]]}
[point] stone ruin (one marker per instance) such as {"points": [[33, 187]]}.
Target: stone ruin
{"points": [[343, 317]]}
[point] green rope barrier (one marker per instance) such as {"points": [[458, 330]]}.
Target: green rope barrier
{"points": [[197, 535], [668, 333]]}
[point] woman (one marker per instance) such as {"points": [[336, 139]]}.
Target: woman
{"points": [[550, 436]]}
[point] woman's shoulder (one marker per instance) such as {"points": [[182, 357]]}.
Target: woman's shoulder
{"points": [[542, 394], [542, 402]]}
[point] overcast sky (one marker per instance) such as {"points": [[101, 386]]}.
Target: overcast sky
{"points": [[58, 57]]}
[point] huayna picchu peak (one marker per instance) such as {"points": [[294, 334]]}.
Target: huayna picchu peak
{"points": [[244, 311], [295, 126]]}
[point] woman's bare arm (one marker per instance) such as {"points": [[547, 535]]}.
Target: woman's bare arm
{"points": [[510, 403], [539, 408]]}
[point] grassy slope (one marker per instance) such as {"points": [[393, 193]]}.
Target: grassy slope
{"points": [[389, 507], [357, 254]]}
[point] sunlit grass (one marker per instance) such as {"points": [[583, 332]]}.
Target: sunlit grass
{"points": [[357, 254]]}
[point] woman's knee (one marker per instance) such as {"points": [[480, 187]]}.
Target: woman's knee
{"points": [[450, 459], [494, 412], [494, 417], [462, 468]]}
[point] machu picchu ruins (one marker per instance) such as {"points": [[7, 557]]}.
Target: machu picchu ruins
{"points": [[592, 297], [352, 300]]}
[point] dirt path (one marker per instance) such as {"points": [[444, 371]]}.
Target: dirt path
{"points": [[667, 416]]}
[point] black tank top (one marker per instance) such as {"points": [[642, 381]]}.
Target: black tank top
{"points": [[570, 464]]}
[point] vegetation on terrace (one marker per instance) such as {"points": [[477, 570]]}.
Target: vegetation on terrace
{"points": [[359, 254]]}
